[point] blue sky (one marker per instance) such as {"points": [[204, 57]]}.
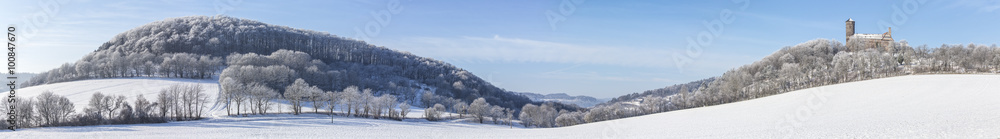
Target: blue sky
{"points": [[600, 48]]}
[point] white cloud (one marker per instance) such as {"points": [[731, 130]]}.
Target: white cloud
{"points": [[501, 49]]}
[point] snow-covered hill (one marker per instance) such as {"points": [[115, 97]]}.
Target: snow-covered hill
{"points": [[917, 106]]}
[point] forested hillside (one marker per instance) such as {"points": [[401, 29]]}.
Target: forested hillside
{"points": [[201, 46], [810, 64]]}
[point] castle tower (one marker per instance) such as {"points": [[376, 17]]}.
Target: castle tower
{"points": [[850, 29]]}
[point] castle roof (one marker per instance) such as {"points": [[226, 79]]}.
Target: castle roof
{"points": [[849, 19], [869, 36]]}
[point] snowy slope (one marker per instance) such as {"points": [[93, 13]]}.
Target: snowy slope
{"points": [[80, 92], [918, 106]]}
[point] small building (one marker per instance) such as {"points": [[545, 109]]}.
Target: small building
{"points": [[873, 40]]}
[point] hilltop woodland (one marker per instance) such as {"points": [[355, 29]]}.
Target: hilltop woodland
{"points": [[810, 64]]}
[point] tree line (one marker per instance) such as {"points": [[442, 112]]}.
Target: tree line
{"points": [[48, 109], [107, 64]]}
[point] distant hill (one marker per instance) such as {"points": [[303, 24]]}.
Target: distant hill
{"points": [[582, 101], [21, 78]]}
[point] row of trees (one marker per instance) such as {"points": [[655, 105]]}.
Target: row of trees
{"points": [[108, 64], [541, 116], [551, 114], [352, 100], [177, 102], [362, 103], [183, 102], [479, 110], [254, 97]]}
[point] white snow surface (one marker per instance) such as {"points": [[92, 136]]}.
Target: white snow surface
{"points": [[916, 106]]}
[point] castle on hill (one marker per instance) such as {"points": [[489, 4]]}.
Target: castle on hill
{"points": [[873, 40]]}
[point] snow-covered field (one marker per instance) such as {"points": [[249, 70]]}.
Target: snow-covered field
{"points": [[918, 106]]}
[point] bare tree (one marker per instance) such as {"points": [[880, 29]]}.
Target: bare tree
{"points": [[111, 104], [96, 103], [27, 116], [195, 100], [164, 102], [143, 109], [53, 108]]}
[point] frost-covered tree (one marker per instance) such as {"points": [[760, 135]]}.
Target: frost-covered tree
{"points": [[461, 108], [295, 94], [97, 104], [166, 102], [143, 109], [261, 97], [273, 76], [317, 99], [181, 102], [569, 118], [26, 114], [206, 66], [53, 109], [111, 104], [105, 106], [332, 98], [651, 104], [496, 112], [366, 102], [404, 108], [527, 114], [126, 115], [479, 109], [546, 115], [433, 113], [233, 92], [194, 100], [509, 116], [384, 103], [349, 97]]}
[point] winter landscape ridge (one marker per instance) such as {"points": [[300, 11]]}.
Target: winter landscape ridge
{"points": [[913, 106], [227, 77]]}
